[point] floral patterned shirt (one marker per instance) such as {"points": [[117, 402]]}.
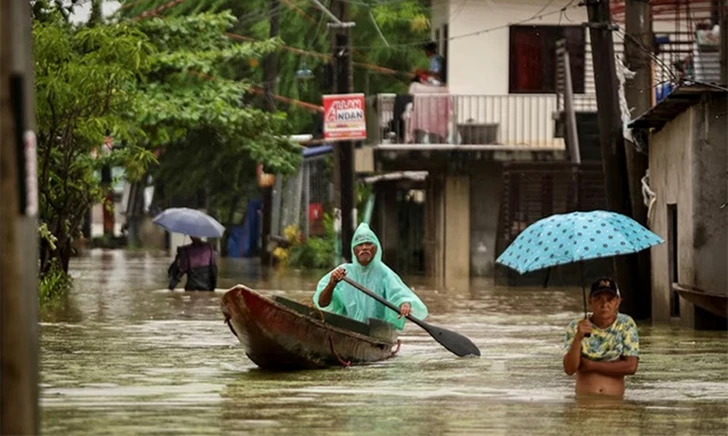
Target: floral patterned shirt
{"points": [[619, 339]]}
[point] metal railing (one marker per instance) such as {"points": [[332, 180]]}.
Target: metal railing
{"points": [[679, 55], [497, 120]]}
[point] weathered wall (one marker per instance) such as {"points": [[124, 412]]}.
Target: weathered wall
{"points": [[710, 191], [486, 187], [688, 167], [671, 179]]}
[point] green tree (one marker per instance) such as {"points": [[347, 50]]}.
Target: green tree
{"points": [[404, 24], [155, 87], [302, 26], [197, 105], [86, 90]]}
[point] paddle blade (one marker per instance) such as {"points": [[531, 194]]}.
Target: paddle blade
{"points": [[454, 342]]}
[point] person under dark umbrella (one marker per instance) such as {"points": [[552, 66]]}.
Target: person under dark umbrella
{"points": [[199, 261]]}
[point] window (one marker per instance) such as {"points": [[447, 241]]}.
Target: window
{"points": [[532, 57]]}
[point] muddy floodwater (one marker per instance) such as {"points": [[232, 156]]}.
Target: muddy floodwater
{"points": [[125, 356]]}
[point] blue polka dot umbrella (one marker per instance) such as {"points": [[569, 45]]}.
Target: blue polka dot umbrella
{"points": [[575, 237]]}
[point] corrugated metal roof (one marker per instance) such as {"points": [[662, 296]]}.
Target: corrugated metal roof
{"points": [[677, 102]]}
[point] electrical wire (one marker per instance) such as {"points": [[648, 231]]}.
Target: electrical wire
{"points": [[484, 31]]}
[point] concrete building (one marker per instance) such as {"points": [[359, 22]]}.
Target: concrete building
{"points": [[494, 141], [491, 141], [688, 171]]}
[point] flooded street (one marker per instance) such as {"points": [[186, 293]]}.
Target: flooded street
{"points": [[125, 356]]}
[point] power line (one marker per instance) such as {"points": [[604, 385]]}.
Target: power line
{"points": [[320, 55], [257, 90], [299, 11], [460, 9], [386, 70], [488, 30], [564, 14], [665, 68], [156, 10], [506, 26]]}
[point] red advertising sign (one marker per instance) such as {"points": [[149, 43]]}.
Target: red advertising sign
{"points": [[344, 117]]}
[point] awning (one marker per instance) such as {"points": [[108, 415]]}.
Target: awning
{"points": [[677, 102], [417, 176], [319, 150]]}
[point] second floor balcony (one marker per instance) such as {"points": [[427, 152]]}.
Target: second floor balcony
{"points": [[465, 121]]}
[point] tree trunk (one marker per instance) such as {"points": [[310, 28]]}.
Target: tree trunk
{"points": [[64, 255], [49, 256]]}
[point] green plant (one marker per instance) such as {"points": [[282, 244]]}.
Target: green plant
{"points": [[315, 252], [54, 284]]}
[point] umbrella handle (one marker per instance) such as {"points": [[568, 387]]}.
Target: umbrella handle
{"points": [[583, 293]]}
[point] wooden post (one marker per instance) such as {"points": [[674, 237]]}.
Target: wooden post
{"points": [[572, 135], [724, 43], [614, 160], [639, 98], [18, 226], [345, 187]]}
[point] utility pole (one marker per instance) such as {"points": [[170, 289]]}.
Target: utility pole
{"points": [[723, 14], [270, 77], [638, 47], [18, 226], [614, 160], [345, 187]]}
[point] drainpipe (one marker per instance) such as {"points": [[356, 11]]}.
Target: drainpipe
{"points": [[369, 208]]}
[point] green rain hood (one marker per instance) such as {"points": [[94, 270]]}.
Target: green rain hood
{"points": [[379, 278]]}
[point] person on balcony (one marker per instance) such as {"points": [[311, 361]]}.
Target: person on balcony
{"points": [[437, 73], [368, 270]]}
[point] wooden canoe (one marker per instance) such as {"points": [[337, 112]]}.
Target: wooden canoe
{"points": [[282, 334], [713, 303]]}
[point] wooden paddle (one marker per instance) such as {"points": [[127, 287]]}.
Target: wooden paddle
{"points": [[454, 342]]}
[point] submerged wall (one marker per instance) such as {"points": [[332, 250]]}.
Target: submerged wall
{"points": [[671, 180], [688, 172]]}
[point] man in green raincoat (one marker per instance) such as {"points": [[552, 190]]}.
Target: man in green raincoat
{"points": [[368, 270]]}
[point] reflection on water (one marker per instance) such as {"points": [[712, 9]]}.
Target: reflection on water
{"points": [[125, 356]]}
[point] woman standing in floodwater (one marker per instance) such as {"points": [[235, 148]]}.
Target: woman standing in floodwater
{"points": [[603, 348]]}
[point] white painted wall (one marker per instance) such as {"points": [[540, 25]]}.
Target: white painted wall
{"points": [[479, 64], [439, 15]]}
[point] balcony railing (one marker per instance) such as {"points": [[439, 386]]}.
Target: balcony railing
{"points": [[679, 55], [508, 120]]}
